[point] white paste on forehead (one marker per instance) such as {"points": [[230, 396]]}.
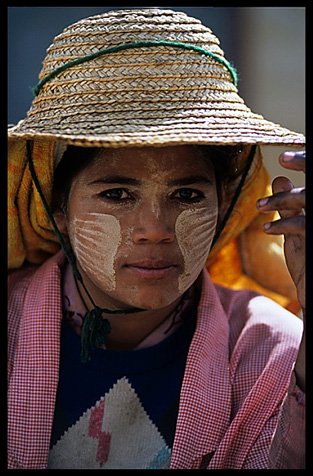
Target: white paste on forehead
{"points": [[194, 231], [95, 241]]}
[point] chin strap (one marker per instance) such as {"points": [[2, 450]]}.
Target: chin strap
{"points": [[96, 328]]}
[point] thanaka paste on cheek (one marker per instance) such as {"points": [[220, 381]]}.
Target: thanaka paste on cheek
{"points": [[95, 241], [194, 232]]}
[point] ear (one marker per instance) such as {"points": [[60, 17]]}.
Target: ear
{"points": [[61, 221]]}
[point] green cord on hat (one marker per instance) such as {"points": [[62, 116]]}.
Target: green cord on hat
{"points": [[96, 329], [136, 44]]}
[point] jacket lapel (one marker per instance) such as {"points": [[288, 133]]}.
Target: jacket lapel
{"points": [[205, 403]]}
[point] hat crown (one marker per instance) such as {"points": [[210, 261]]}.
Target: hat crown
{"points": [[114, 28]]}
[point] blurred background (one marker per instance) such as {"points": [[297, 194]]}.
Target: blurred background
{"points": [[265, 44]]}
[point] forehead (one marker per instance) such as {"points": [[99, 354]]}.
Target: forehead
{"points": [[152, 161]]}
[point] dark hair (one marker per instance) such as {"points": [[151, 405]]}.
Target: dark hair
{"points": [[73, 161], [227, 162]]}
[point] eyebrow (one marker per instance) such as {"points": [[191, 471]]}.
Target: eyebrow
{"points": [[191, 179], [120, 179]]}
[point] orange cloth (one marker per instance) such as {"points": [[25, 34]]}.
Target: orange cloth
{"points": [[30, 234]]}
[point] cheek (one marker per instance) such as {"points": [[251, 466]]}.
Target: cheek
{"points": [[194, 232], [95, 239]]}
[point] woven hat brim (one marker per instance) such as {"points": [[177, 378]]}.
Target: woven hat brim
{"points": [[196, 130]]}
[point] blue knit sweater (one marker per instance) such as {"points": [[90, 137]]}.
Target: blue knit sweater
{"points": [[119, 409]]}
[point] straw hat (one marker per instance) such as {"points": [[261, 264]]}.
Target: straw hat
{"points": [[142, 77]]}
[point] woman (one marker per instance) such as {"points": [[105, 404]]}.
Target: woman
{"points": [[138, 156]]}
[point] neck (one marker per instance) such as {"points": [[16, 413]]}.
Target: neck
{"points": [[128, 330]]}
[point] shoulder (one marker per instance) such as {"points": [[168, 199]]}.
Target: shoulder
{"points": [[28, 284], [254, 317], [18, 284], [27, 289], [251, 317], [20, 279], [16, 278], [264, 339]]}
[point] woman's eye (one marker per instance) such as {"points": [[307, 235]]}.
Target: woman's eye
{"points": [[188, 195], [115, 194]]}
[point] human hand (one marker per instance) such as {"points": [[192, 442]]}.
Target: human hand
{"points": [[289, 202]]}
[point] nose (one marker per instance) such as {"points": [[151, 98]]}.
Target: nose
{"points": [[153, 228]]}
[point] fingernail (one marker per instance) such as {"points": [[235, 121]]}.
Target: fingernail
{"points": [[266, 226], [300, 154], [288, 156], [262, 202]]}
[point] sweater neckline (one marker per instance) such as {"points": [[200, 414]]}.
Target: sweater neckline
{"points": [[132, 361]]}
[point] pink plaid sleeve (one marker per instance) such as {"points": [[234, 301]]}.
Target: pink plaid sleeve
{"points": [[288, 445]]}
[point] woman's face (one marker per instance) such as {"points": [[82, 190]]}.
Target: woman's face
{"points": [[141, 223]]}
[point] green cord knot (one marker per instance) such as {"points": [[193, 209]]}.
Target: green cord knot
{"points": [[95, 332]]}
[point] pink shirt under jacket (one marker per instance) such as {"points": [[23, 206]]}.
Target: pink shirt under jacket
{"points": [[238, 380]]}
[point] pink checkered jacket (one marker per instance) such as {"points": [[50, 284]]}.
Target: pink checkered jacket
{"points": [[240, 407]]}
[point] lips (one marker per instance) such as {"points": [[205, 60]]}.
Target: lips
{"points": [[153, 269]]}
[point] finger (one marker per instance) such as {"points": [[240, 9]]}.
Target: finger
{"points": [[286, 226], [281, 184], [293, 160], [286, 203]]}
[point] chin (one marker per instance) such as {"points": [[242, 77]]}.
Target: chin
{"points": [[151, 299]]}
